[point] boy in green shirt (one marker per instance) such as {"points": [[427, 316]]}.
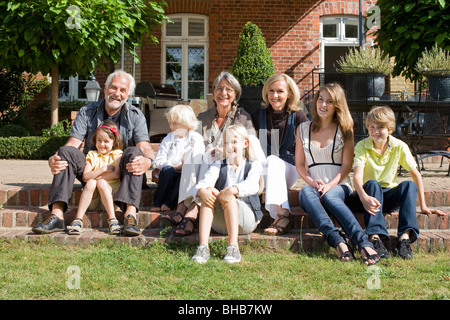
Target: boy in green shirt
{"points": [[375, 181]]}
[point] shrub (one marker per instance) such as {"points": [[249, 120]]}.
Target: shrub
{"points": [[253, 63], [365, 60], [14, 130], [60, 129], [434, 62], [30, 148]]}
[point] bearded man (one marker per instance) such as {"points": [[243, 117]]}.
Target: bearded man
{"points": [[68, 163]]}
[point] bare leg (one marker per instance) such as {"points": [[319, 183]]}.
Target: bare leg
{"points": [[205, 223], [231, 214], [85, 199], [105, 191]]}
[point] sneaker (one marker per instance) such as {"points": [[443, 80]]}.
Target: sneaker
{"points": [[131, 229], [403, 249], [202, 254], [51, 224], [233, 255], [380, 249]]}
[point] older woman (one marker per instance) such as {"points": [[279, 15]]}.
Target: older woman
{"points": [[277, 122], [214, 123]]}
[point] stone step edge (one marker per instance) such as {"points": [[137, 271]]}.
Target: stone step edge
{"points": [[431, 241], [29, 216], [38, 196]]}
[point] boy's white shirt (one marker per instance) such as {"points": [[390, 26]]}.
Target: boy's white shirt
{"points": [[172, 148], [247, 187]]}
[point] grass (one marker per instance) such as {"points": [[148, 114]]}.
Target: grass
{"points": [[45, 270]]}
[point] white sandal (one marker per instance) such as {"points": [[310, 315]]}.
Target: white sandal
{"points": [[114, 226], [75, 227]]}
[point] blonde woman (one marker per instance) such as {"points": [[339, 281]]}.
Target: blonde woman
{"points": [[276, 123]]}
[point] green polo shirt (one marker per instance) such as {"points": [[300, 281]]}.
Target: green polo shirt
{"points": [[383, 168]]}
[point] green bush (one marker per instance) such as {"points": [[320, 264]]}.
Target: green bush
{"points": [[61, 129], [30, 148], [14, 130], [253, 64]]}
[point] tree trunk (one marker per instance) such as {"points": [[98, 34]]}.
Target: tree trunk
{"points": [[54, 95]]}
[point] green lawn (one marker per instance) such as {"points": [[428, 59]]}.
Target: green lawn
{"points": [[108, 270]]}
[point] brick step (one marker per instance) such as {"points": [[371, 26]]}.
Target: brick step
{"points": [[12, 196], [27, 217], [302, 242]]}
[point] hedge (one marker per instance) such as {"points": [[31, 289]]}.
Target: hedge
{"points": [[30, 148]]}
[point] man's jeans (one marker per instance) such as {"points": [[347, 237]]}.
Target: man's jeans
{"points": [[333, 204], [401, 197]]}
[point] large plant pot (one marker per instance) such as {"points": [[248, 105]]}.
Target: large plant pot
{"points": [[368, 86], [439, 87], [251, 98]]}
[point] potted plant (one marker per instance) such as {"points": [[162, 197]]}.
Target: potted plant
{"points": [[435, 66], [368, 64], [252, 66]]}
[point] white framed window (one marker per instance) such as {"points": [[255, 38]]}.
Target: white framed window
{"points": [[337, 35], [72, 88], [185, 55]]}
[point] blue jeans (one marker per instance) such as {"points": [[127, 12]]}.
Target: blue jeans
{"points": [[168, 187], [333, 204], [401, 197]]}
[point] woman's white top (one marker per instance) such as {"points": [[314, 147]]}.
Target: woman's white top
{"points": [[323, 163], [173, 148]]}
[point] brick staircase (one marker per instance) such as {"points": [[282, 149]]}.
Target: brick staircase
{"points": [[24, 207]]}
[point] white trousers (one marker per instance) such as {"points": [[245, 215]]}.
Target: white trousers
{"points": [[279, 177]]}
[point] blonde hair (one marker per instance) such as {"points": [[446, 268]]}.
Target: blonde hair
{"points": [[381, 116], [293, 101], [342, 114], [237, 130], [184, 115]]}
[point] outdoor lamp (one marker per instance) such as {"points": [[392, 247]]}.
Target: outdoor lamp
{"points": [[92, 90]]}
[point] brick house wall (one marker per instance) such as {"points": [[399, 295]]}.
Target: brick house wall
{"points": [[291, 29]]}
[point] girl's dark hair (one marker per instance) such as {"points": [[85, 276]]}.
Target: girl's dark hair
{"points": [[105, 126]]}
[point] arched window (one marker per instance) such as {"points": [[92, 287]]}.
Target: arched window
{"points": [[185, 55]]}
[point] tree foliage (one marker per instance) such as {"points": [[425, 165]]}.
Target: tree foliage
{"points": [[253, 63], [16, 92], [70, 37], [408, 27], [76, 35]]}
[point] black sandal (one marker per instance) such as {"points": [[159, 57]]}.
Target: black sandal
{"points": [[185, 227], [170, 220], [347, 254], [280, 230], [368, 257]]}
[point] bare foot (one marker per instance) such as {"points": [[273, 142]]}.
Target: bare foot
{"points": [[368, 251], [280, 223], [155, 209], [192, 211], [164, 208]]}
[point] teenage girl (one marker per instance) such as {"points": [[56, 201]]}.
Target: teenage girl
{"points": [[324, 155]]}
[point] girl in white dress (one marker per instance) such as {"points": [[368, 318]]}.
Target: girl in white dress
{"points": [[323, 157]]}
